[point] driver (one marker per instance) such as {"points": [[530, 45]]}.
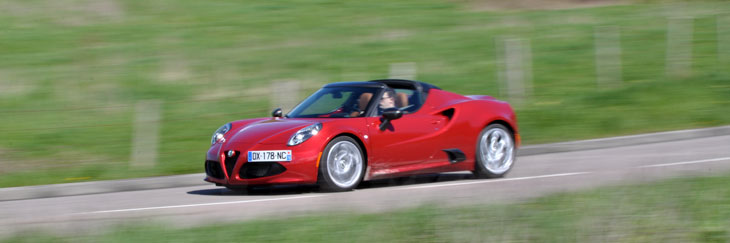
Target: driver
{"points": [[387, 101]]}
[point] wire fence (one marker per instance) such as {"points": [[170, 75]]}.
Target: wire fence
{"points": [[514, 77]]}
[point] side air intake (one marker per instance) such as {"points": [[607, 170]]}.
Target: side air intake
{"points": [[455, 155], [448, 113]]}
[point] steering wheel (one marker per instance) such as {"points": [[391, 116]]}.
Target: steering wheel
{"points": [[405, 107], [337, 112]]}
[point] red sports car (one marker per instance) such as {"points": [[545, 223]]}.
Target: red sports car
{"points": [[348, 132]]}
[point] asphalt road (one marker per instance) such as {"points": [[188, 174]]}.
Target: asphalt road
{"points": [[532, 176]]}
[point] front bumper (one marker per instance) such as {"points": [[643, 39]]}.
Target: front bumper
{"points": [[225, 170]]}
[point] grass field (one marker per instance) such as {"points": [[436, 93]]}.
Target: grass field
{"points": [[677, 210], [72, 71]]}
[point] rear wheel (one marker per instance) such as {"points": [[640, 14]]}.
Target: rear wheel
{"points": [[342, 165], [495, 152]]}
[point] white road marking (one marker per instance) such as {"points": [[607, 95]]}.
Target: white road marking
{"points": [[407, 188], [493, 181], [690, 131], [199, 205], [685, 162]]}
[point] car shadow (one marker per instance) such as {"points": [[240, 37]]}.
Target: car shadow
{"points": [[258, 191], [303, 189], [415, 180]]}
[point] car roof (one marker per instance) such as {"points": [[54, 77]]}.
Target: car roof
{"points": [[383, 83]]}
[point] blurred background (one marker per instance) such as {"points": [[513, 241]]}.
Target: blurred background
{"points": [[108, 89]]}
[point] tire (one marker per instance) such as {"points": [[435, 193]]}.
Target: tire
{"points": [[495, 154], [342, 165]]}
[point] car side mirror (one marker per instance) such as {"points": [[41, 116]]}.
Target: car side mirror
{"points": [[392, 113], [277, 113], [388, 115]]}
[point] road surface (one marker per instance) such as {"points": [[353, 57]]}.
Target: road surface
{"points": [[532, 176]]}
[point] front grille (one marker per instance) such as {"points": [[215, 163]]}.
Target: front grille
{"points": [[230, 163], [257, 170], [213, 169]]}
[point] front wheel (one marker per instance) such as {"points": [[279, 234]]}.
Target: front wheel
{"points": [[495, 152], [342, 165]]}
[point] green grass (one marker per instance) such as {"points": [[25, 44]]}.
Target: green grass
{"points": [[71, 75], [677, 210]]}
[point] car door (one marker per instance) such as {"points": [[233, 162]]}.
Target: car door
{"points": [[407, 141]]}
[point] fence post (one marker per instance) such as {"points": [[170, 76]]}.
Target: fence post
{"points": [[517, 73], [145, 134], [499, 56], [723, 41], [285, 94], [607, 41], [679, 47], [403, 70]]}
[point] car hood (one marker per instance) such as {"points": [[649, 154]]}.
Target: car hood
{"points": [[271, 131]]}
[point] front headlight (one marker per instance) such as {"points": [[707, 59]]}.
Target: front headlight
{"points": [[218, 135], [304, 134]]}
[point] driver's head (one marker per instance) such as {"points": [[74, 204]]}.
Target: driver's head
{"points": [[388, 100]]}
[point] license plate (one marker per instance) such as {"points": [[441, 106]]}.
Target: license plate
{"points": [[269, 156]]}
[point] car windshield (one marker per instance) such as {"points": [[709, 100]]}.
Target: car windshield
{"points": [[335, 102]]}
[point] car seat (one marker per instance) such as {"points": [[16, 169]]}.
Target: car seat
{"points": [[401, 100], [362, 104]]}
